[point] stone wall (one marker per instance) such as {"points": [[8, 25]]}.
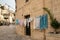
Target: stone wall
{"points": [[35, 8]]}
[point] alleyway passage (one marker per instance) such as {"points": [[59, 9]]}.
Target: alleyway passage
{"points": [[9, 33]]}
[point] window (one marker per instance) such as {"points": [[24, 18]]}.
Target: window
{"points": [[2, 7], [27, 0]]}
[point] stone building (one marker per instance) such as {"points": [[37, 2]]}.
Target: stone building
{"points": [[6, 14], [34, 8]]}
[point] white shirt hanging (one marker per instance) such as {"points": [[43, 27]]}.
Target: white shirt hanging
{"points": [[27, 20]]}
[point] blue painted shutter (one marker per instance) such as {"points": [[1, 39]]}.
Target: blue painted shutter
{"points": [[44, 22]]}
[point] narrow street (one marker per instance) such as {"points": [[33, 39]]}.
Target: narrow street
{"points": [[9, 33]]}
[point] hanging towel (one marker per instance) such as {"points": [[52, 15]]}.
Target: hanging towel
{"points": [[25, 22], [17, 21], [21, 22], [44, 21], [37, 23]]}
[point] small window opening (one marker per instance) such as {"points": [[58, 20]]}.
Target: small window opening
{"points": [[27, 0]]}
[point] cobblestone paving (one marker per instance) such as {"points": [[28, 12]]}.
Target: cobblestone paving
{"points": [[9, 33]]}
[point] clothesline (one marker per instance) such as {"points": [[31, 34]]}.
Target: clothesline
{"points": [[32, 18], [40, 22]]}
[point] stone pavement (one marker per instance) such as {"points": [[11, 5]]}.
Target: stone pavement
{"points": [[9, 33]]}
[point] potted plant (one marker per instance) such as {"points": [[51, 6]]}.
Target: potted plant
{"points": [[53, 22]]}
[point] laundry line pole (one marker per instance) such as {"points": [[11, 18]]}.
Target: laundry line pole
{"points": [[44, 30]]}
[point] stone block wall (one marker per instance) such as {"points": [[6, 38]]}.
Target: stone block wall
{"points": [[35, 8]]}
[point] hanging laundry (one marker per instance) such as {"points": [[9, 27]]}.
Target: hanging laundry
{"points": [[37, 23], [44, 22], [17, 21], [21, 22], [29, 20], [25, 22]]}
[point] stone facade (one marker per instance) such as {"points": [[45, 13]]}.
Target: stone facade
{"points": [[35, 8], [6, 15]]}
